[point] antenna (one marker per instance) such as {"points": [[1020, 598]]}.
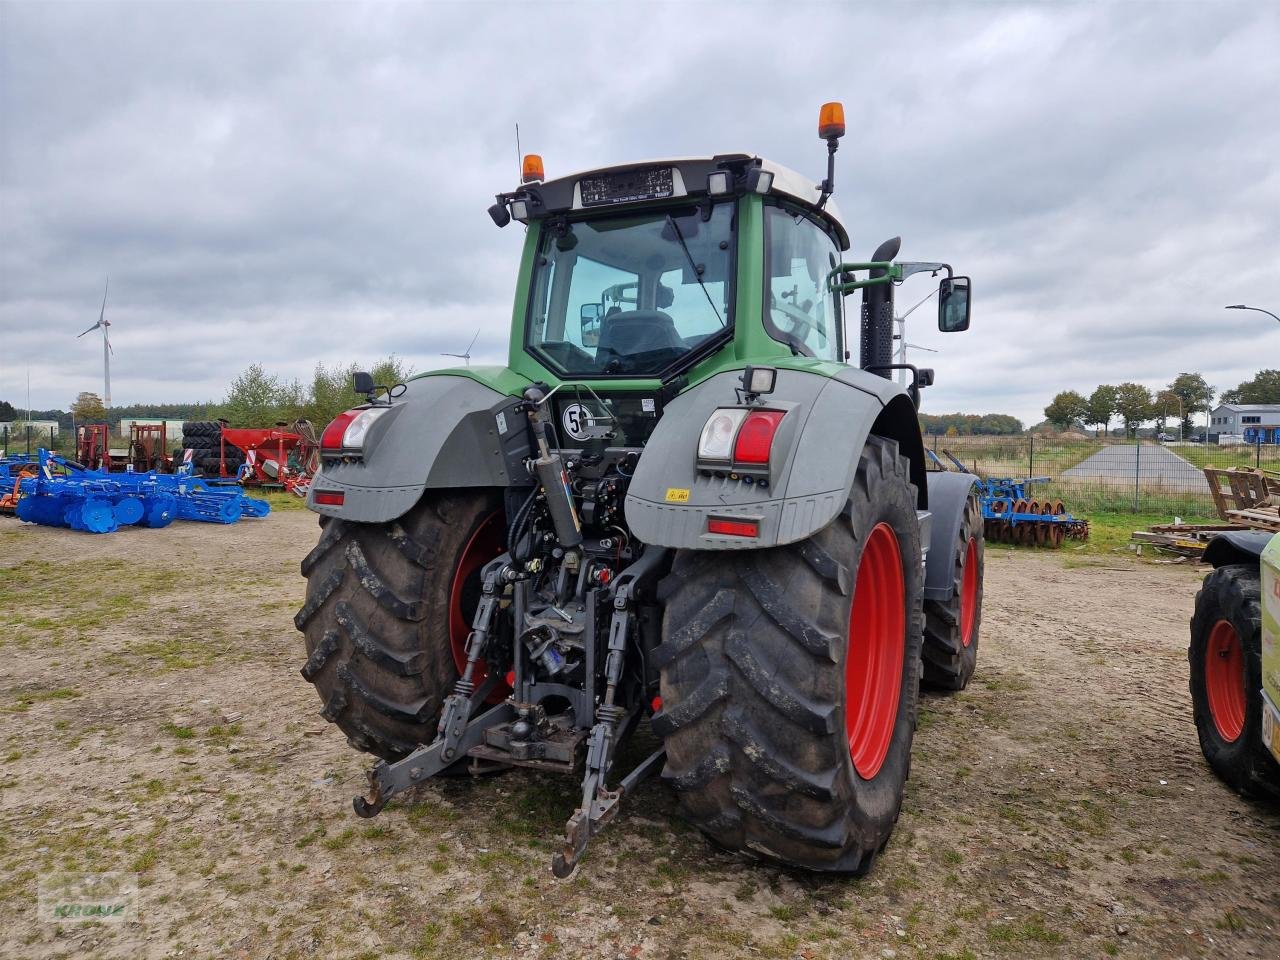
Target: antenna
{"points": [[519, 155]]}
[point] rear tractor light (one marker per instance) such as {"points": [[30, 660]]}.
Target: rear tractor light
{"points": [[330, 498], [727, 527], [755, 436], [716, 442], [348, 431], [738, 437]]}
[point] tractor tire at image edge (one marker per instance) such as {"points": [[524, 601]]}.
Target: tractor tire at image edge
{"points": [[1225, 657]]}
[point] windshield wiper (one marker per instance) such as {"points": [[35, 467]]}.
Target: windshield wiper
{"points": [[694, 267]]}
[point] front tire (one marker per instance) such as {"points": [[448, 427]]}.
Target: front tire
{"points": [[387, 611], [951, 626], [1226, 680], [790, 680]]}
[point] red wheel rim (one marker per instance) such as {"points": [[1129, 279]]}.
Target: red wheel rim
{"points": [[969, 592], [1224, 680], [877, 638], [464, 594]]}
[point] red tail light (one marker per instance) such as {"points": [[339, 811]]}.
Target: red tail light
{"points": [[332, 498], [755, 436], [331, 439], [733, 528]]}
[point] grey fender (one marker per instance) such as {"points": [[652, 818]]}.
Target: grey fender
{"points": [[444, 431], [816, 454], [948, 493], [1236, 546]]}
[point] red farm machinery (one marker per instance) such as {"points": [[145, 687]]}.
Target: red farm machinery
{"points": [[284, 456]]}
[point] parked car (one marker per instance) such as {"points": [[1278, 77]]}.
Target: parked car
{"points": [[1165, 437]]}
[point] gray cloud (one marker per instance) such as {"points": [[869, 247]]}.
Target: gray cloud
{"points": [[293, 184]]}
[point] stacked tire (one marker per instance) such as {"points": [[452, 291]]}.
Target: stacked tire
{"points": [[204, 439]]}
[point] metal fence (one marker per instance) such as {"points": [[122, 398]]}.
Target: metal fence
{"points": [[28, 439], [1141, 476]]}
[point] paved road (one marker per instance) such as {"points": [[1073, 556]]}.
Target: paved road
{"points": [[1152, 464]]}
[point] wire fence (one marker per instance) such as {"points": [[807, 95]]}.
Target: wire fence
{"points": [[1142, 476], [28, 438]]}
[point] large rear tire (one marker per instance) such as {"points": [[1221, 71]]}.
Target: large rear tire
{"points": [[951, 626], [1225, 657], [790, 680], [387, 609]]}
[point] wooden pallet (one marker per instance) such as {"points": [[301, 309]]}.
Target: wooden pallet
{"points": [[1242, 490], [1259, 518]]}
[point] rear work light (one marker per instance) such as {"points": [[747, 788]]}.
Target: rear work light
{"points": [[348, 430], [733, 528]]}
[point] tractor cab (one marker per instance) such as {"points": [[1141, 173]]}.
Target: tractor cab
{"points": [[669, 271]]}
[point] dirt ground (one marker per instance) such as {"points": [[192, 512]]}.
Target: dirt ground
{"points": [[154, 722]]}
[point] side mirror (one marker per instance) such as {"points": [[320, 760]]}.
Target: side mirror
{"points": [[953, 305], [362, 383], [589, 316]]}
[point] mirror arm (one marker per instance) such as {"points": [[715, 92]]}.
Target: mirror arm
{"points": [[909, 269]]}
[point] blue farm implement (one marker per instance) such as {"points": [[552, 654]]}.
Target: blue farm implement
{"points": [[13, 469], [1011, 514], [61, 493]]}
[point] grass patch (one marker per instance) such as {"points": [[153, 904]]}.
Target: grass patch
{"points": [[25, 701], [1018, 933]]}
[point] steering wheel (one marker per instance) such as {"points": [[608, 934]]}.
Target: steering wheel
{"points": [[797, 317]]}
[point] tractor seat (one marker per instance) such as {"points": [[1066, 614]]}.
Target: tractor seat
{"points": [[636, 332]]}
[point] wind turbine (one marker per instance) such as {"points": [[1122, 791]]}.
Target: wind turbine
{"points": [[465, 356], [107, 350]]}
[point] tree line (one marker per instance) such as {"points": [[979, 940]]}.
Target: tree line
{"points": [[255, 398], [969, 424], [1135, 404]]}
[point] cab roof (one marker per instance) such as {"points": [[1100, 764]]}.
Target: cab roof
{"points": [[628, 184]]}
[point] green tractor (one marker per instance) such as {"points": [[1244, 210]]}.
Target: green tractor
{"points": [[1234, 660], [678, 502]]}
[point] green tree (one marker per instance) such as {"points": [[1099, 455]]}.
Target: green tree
{"points": [[1101, 408], [1133, 403], [89, 408], [1263, 388], [331, 392], [7, 412], [259, 399], [1193, 393], [1065, 409]]}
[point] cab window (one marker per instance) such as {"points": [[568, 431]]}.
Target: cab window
{"points": [[799, 309]]}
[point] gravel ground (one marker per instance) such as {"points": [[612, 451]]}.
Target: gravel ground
{"points": [[154, 723]]}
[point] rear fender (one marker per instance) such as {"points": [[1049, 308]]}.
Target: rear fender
{"points": [[1236, 546], [444, 431], [827, 424]]}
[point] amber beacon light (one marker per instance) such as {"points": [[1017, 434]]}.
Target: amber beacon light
{"points": [[532, 168], [831, 121]]}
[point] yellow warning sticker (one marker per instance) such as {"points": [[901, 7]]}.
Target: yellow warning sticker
{"points": [[677, 494]]}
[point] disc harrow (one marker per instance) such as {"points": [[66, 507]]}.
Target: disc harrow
{"points": [[1011, 516]]}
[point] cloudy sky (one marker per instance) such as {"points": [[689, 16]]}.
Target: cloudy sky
{"points": [[297, 183]]}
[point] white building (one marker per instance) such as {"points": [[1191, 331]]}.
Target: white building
{"points": [[39, 428], [1253, 421]]}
